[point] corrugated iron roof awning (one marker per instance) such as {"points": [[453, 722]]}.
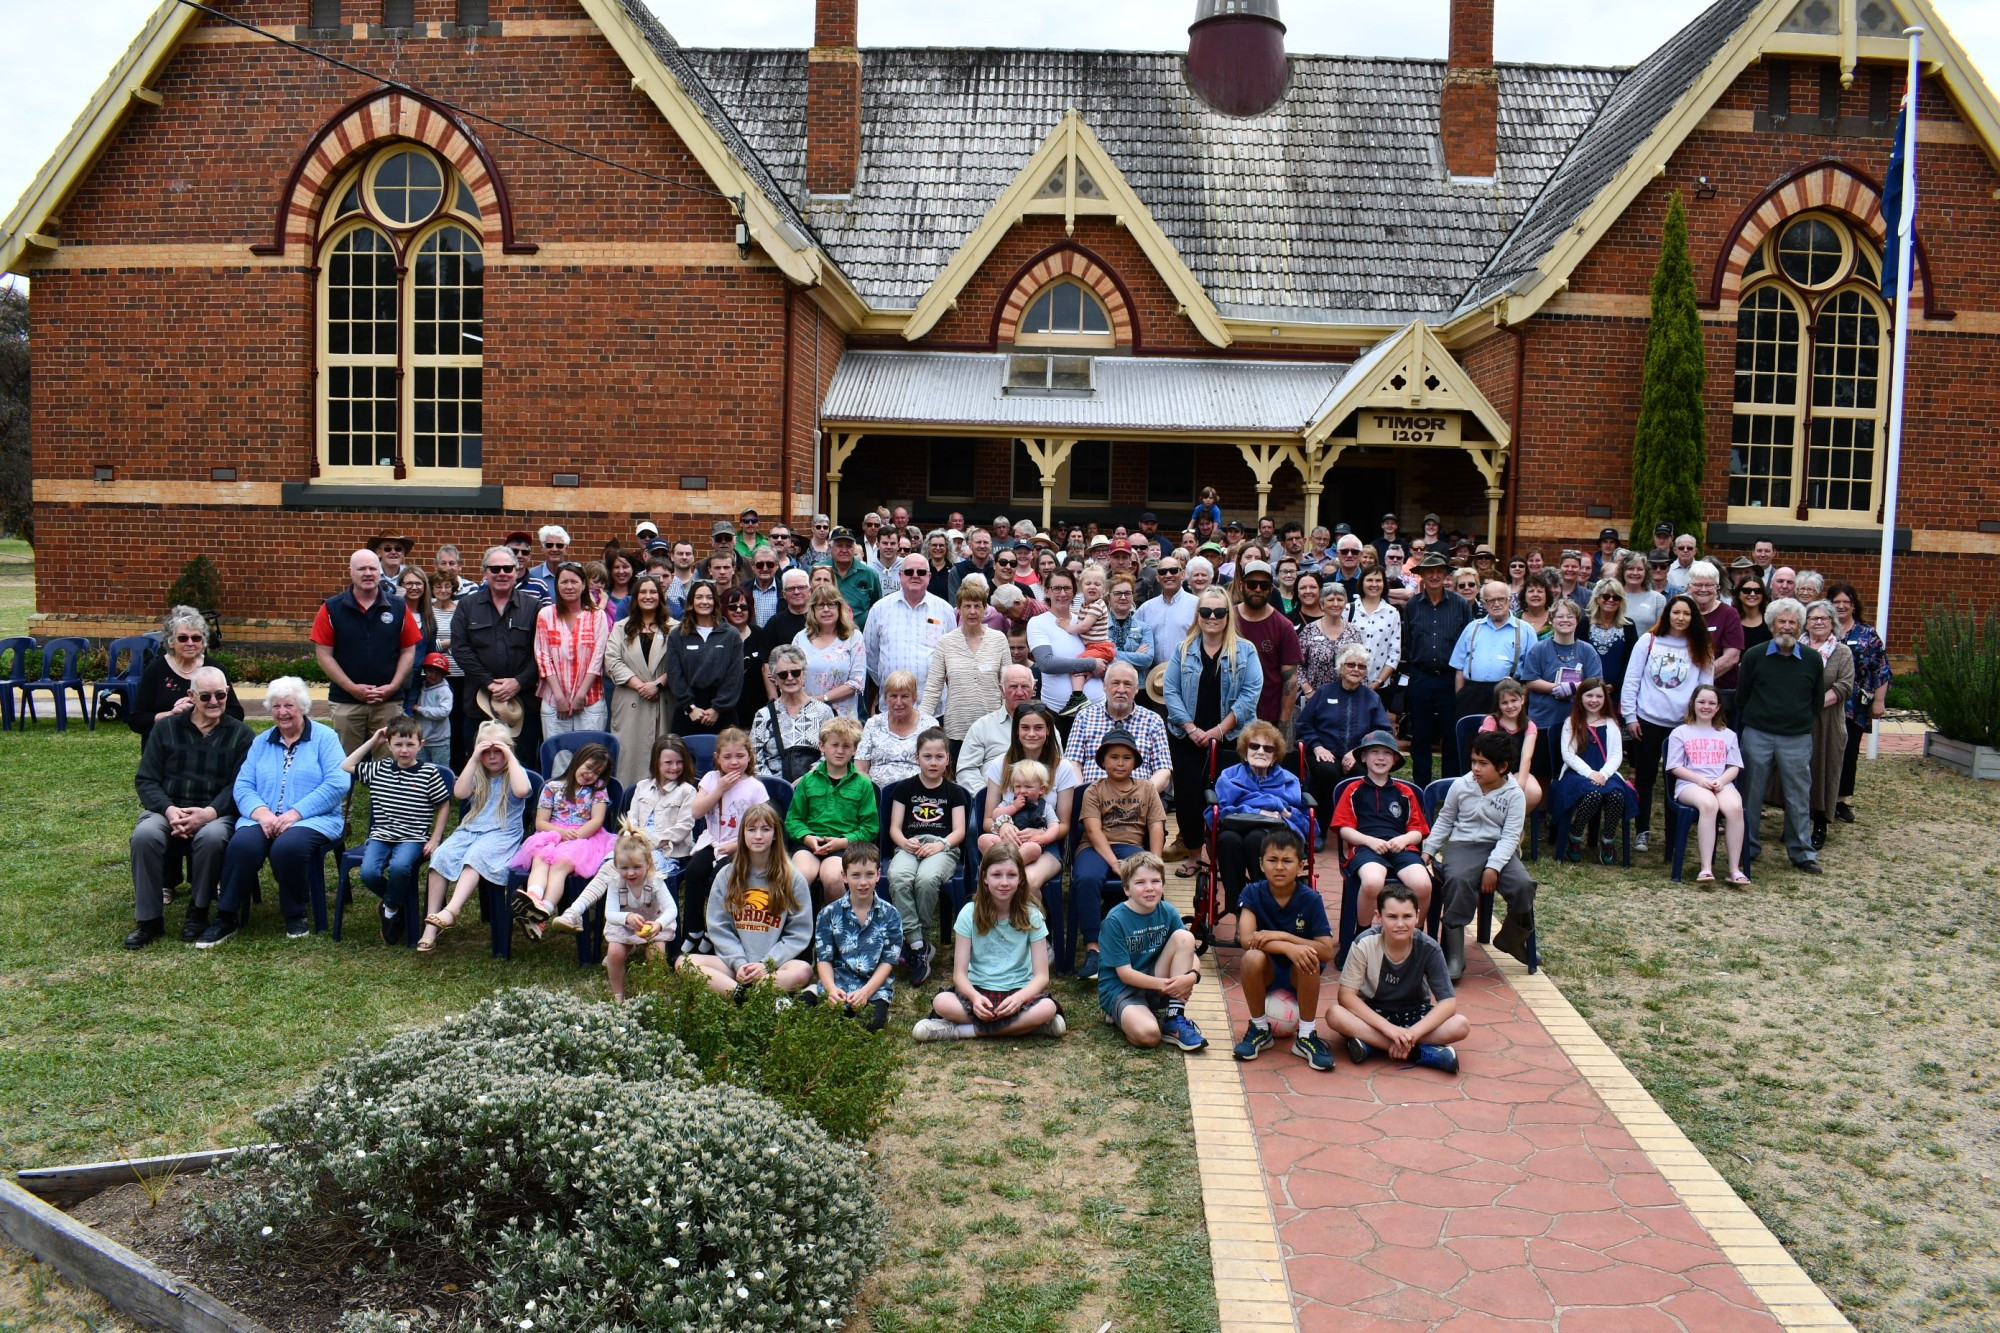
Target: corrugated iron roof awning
{"points": [[1186, 396]]}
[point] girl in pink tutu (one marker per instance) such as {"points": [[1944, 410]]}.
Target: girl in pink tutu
{"points": [[569, 837]]}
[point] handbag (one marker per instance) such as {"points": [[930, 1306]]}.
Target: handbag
{"points": [[794, 761]]}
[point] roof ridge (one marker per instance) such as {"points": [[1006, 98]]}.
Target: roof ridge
{"points": [[1165, 55]]}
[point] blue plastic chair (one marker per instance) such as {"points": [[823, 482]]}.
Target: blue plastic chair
{"points": [[138, 650], [702, 747], [13, 675], [556, 750], [1434, 796], [1468, 727], [779, 792], [64, 655], [1681, 822], [1350, 878], [350, 864], [1559, 818]]}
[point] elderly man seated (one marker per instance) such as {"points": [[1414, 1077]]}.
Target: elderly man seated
{"points": [[186, 782]]}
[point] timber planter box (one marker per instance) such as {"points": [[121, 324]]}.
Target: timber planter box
{"points": [[133, 1284], [1975, 761]]}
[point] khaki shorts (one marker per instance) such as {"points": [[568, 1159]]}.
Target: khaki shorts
{"points": [[355, 723]]}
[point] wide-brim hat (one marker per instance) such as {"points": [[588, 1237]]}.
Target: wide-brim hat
{"points": [[1156, 684], [507, 712], [1432, 560], [376, 542], [1381, 739]]}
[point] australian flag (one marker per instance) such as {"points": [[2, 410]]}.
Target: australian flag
{"points": [[1895, 207]]}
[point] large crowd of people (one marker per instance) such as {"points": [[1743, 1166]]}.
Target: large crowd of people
{"points": [[1067, 703]]}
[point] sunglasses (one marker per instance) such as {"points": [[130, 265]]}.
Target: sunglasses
{"points": [[1169, 571], [555, 546], [499, 569], [1257, 585], [733, 607], [1213, 613], [792, 674], [1261, 747], [213, 696], [1006, 564], [765, 565], [190, 638]]}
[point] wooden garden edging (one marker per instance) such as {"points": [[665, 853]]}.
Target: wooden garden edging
{"points": [[130, 1282]]}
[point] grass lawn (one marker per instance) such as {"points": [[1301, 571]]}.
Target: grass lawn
{"points": [[1033, 1185], [1829, 1042], [17, 586]]}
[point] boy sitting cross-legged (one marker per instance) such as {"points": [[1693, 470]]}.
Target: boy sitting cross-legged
{"points": [[1396, 993], [1146, 968], [1282, 929]]}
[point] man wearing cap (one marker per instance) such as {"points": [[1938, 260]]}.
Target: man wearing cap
{"points": [[1605, 556], [1684, 558], [860, 586], [722, 539], [493, 642], [1120, 711], [365, 640], [1433, 620], [391, 551], [1274, 638], [904, 627], [522, 544], [1663, 537], [979, 559], [1390, 526], [1433, 532], [1149, 528], [748, 537]]}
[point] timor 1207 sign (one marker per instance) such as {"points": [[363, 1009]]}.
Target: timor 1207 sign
{"points": [[1407, 428]]}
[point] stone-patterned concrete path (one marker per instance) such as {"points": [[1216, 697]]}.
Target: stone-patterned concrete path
{"points": [[1512, 1197]]}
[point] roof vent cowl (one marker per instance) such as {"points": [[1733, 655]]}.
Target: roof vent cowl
{"points": [[1236, 56]]}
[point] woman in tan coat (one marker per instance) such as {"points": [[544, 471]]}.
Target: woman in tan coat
{"points": [[1830, 731], [635, 662]]}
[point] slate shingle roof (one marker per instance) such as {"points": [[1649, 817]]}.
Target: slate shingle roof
{"points": [[1333, 207]]}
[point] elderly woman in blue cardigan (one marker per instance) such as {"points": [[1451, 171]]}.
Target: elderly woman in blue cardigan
{"points": [[1211, 684], [289, 792]]}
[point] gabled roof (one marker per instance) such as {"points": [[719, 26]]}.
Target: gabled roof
{"points": [[1410, 371], [1332, 208]]}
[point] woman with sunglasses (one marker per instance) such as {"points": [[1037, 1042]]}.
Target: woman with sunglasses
{"points": [[164, 684], [1212, 683], [1751, 599], [1517, 576], [784, 736], [740, 615], [1609, 629]]}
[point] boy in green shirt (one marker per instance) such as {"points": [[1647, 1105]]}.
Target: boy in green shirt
{"points": [[832, 806]]}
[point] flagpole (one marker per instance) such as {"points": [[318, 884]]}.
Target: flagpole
{"points": [[1905, 246]]}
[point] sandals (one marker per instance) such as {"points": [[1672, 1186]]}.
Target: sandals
{"points": [[1705, 877], [1191, 867], [1739, 878], [427, 946], [444, 919]]}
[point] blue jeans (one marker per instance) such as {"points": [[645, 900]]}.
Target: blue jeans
{"points": [[1086, 885], [389, 870], [298, 863]]}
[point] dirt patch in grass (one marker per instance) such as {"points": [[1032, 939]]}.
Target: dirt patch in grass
{"points": [[1827, 1041], [35, 1297], [1041, 1185]]}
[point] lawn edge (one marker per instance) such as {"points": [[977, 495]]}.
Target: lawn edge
{"points": [[1767, 1268], [1246, 1262]]}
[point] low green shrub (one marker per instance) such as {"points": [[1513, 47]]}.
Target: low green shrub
{"points": [[808, 1058], [567, 1152], [261, 668], [1958, 674]]}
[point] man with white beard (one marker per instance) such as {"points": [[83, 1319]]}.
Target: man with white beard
{"points": [[1778, 692]]}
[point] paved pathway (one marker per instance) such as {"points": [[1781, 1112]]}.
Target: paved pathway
{"points": [[1540, 1189]]}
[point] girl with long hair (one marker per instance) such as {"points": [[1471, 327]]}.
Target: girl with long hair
{"points": [[1000, 963]]}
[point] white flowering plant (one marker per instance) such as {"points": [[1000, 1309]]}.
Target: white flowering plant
{"points": [[566, 1154]]}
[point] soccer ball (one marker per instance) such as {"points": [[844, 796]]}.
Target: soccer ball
{"points": [[1281, 1008]]}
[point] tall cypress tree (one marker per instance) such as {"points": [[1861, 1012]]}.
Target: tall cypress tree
{"points": [[1670, 447]]}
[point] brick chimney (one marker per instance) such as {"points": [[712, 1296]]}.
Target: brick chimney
{"points": [[833, 99], [1471, 107]]}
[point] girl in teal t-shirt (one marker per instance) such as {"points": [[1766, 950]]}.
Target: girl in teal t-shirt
{"points": [[1000, 963]]}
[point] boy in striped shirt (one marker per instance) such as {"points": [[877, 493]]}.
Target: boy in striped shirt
{"points": [[406, 809]]}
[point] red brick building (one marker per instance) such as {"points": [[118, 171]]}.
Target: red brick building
{"points": [[516, 261]]}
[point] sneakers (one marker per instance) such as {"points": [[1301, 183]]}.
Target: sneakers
{"points": [[567, 924], [1314, 1051], [1642, 841], [219, 930], [391, 921], [1181, 1031], [943, 1029], [1358, 1051], [1441, 1058], [195, 923], [298, 930], [916, 964], [1055, 1027], [1088, 970], [1256, 1040]]}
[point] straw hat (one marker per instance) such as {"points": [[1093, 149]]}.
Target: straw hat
{"points": [[507, 712], [1156, 684]]}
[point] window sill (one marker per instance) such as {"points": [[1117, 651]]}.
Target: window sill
{"points": [[1791, 534], [310, 495]]}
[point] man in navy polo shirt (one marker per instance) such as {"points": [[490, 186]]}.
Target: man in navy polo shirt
{"points": [[365, 639]]}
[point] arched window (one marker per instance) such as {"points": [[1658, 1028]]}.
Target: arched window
{"points": [[1065, 314], [402, 274], [1811, 378]]}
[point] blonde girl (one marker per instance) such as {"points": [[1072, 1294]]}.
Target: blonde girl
{"points": [[638, 911], [759, 920], [1000, 963], [495, 788]]}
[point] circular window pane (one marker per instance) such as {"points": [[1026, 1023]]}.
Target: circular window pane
{"points": [[408, 187], [1812, 252]]}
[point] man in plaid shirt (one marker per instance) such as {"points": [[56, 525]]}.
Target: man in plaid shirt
{"points": [[1120, 709]]}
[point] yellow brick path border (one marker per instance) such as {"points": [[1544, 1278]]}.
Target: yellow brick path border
{"points": [[1793, 1299]]}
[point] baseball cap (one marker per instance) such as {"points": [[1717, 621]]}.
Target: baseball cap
{"points": [[1253, 567], [1608, 535], [1149, 517], [1663, 529], [843, 534], [647, 528], [1120, 544], [517, 536], [1389, 518], [438, 660], [1432, 518], [722, 530]]}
